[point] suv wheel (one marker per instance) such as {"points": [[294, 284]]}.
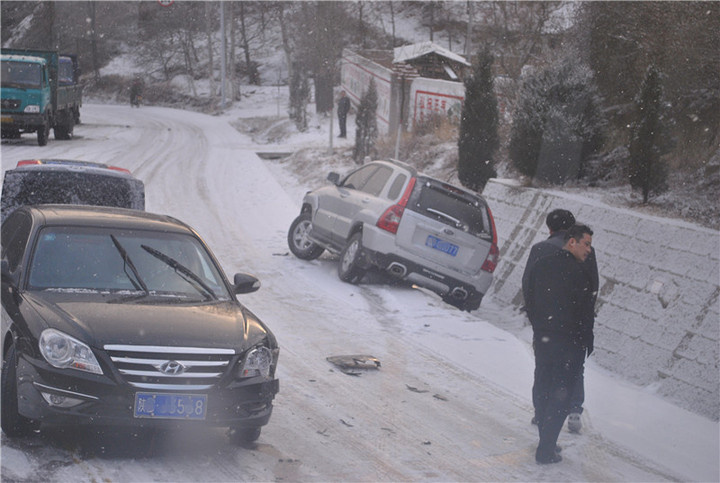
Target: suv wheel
{"points": [[350, 268], [468, 305], [299, 241]]}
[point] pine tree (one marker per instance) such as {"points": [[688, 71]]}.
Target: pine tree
{"points": [[479, 138], [366, 132], [558, 124], [647, 171]]}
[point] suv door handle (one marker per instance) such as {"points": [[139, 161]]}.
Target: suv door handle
{"points": [[366, 200]]}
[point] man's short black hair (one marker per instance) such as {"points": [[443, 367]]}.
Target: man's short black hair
{"points": [[577, 232], [559, 220]]}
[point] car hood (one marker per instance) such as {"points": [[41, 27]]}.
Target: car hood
{"points": [[96, 321]]}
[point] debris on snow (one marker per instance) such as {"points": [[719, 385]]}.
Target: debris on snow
{"points": [[351, 363], [415, 389]]}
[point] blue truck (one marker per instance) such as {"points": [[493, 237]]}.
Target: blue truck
{"points": [[40, 91]]}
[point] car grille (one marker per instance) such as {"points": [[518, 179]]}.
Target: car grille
{"points": [[170, 368], [10, 103]]}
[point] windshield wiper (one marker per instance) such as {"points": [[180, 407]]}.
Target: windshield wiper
{"points": [[190, 276], [458, 223], [138, 282]]}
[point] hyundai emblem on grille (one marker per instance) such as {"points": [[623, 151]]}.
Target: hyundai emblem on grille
{"points": [[171, 367]]}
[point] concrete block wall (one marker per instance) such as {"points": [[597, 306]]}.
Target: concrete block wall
{"points": [[658, 317]]}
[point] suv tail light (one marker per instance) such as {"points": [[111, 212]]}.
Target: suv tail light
{"points": [[494, 256], [492, 259], [390, 220]]}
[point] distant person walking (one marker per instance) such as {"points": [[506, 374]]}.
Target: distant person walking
{"points": [[559, 304], [558, 221], [343, 108], [136, 91]]}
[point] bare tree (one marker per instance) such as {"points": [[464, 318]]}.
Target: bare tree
{"points": [[251, 13], [318, 32], [209, 31], [514, 31]]}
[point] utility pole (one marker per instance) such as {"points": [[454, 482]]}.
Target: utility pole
{"points": [[468, 34]]}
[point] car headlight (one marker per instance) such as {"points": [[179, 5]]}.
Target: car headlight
{"points": [[258, 362], [32, 109], [63, 351]]}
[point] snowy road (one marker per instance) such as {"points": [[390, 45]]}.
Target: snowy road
{"points": [[428, 414]]}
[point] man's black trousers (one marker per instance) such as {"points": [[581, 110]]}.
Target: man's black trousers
{"points": [[558, 363]]}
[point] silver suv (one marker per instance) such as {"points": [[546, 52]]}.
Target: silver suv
{"points": [[386, 215]]}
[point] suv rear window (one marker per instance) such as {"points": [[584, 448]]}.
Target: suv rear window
{"points": [[451, 206]]}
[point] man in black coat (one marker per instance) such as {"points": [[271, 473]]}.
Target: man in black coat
{"points": [[342, 110], [558, 221], [560, 307]]}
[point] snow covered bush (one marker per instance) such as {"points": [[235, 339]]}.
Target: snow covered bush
{"points": [[558, 124]]}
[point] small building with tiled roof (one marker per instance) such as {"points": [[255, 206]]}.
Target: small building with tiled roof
{"points": [[413, 82]]}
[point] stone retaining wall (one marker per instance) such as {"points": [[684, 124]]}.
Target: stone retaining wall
{"points": [[658, 319]]}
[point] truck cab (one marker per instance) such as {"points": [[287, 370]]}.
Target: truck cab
{"points": [[25, 95], [40, 91]]}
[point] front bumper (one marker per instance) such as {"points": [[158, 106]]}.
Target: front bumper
{"points": [[238, 403], [19, 121]]}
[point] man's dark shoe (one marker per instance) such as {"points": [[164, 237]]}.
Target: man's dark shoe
{"points": [[548, 459], [574, 424]]}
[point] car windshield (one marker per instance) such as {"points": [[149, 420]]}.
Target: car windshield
{"points": [[143, 263]]}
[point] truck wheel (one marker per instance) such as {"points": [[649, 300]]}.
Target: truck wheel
{"points": [[350, 267], [43, 133], [298, 240], [13, 424], [65, 125]]}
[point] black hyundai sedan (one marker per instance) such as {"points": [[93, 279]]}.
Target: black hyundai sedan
{"points": [[122, 317]]}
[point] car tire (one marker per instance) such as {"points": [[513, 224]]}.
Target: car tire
{"points": [[298, 240], [13, 424], [350, 267], [468, 305], [243, 436]]}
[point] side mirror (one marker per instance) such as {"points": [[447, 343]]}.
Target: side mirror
{"points": [[245, 283], [334, 178]]}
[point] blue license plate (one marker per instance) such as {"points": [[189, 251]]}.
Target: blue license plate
{"points": [[170, 406], [442, 245]]}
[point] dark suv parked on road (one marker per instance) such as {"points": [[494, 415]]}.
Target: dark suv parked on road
{"points": [[388, 216]]}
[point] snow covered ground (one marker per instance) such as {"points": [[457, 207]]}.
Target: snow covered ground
{"points": [[451, 401]]}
